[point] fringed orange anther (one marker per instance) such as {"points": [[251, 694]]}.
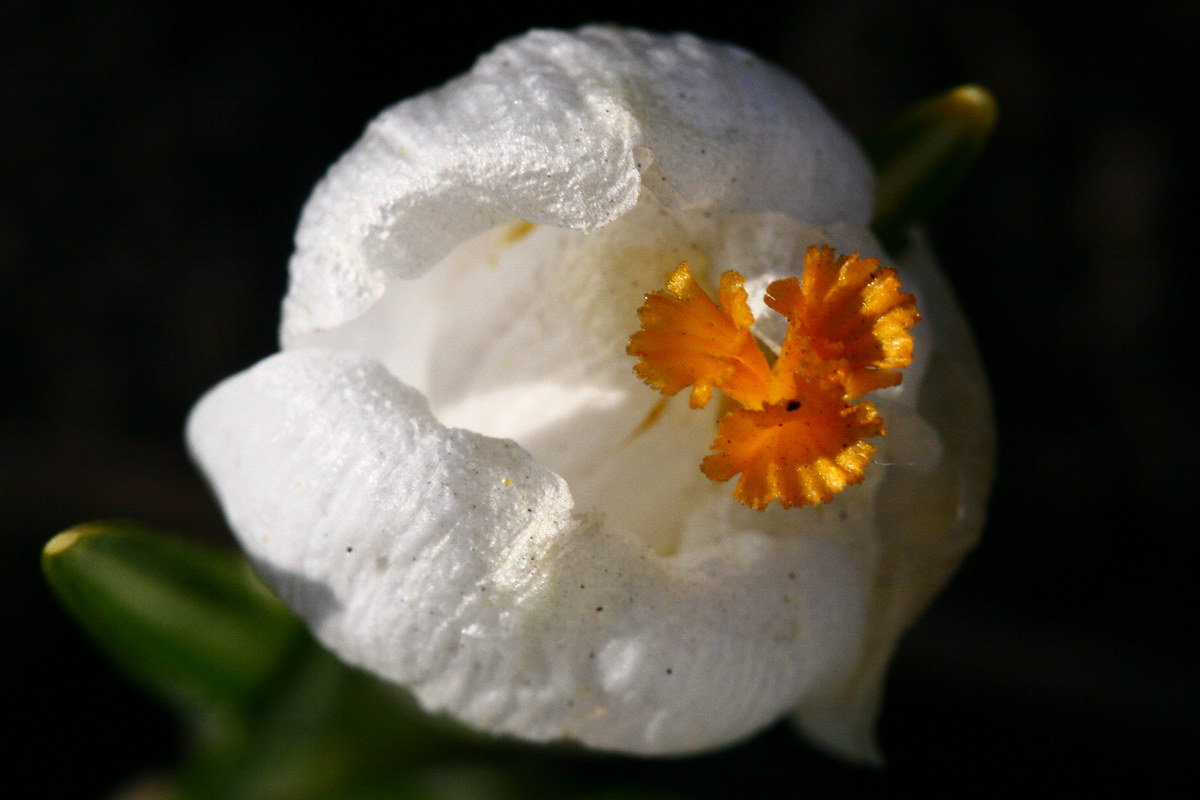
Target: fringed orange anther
{"points": [[801, 453], [797, 437], [687, 340], [851, 313]]}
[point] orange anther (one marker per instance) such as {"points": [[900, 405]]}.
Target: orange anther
{"points": [[797, 437]]}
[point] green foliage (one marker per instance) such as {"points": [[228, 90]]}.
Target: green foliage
{"points": [[192, 624]]}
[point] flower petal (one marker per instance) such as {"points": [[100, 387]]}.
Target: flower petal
{"points": [[566, 129], [930, 502], [451, 563]]}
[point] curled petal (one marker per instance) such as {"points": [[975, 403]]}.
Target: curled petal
{"points": [[566, 129], [452, 563]]}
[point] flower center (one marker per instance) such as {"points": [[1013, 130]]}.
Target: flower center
{"points": [[795, 434]]}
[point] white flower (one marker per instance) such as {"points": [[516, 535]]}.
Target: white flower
{"points": [[454, 475]]}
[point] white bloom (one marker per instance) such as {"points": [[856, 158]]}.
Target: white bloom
{"points": [[449, 471]]}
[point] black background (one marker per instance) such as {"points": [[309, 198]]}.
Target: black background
{"points": [[155, 158]]}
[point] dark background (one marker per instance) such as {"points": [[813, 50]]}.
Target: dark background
{"points": [[154, 159]]}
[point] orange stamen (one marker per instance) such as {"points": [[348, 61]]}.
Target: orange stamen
{"points": [[801, 453], [687, 340], [796, 438], [850, 313]]}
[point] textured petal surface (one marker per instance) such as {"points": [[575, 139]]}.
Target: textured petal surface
{"points": [[452, 563], [566, 129]]}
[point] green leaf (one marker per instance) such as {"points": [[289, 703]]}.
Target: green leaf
{"points": [[189, 622], [922, 155]]}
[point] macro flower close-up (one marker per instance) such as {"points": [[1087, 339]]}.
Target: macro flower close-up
{"points": [[592, 402], [601, 414]]}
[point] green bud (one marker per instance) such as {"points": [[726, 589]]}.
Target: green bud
{"points": [[189, 622], [922, 155]]}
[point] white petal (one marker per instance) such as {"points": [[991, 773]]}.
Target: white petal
{"points": [[929, 510], [566, 129], [453, 564]]}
